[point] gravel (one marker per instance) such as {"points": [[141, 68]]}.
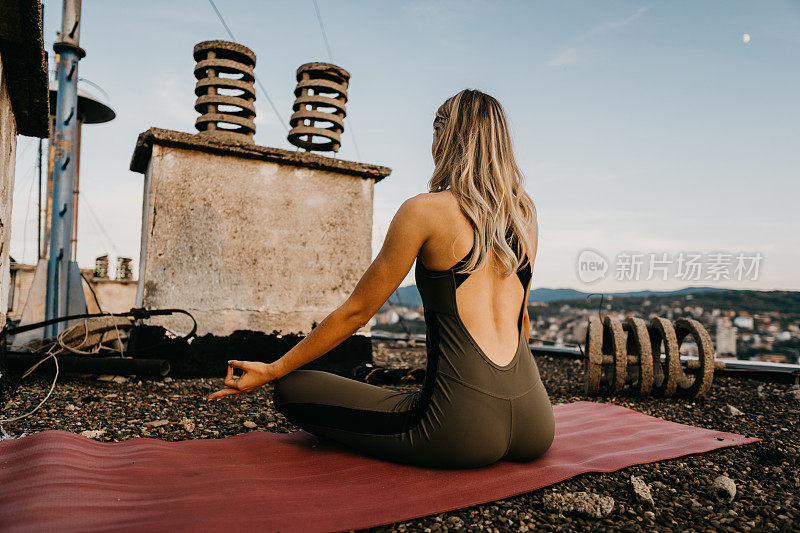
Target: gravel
{"points": [[765, 475]]}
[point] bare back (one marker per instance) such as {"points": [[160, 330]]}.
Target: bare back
{"points": [[488, 304]]}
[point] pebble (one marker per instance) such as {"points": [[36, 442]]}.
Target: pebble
{"points": [[723, 489], [155, 423], [93, 433], [584, 503], [188, 424], [250, 424], [733, 411], [641, 491], [770, 470]]}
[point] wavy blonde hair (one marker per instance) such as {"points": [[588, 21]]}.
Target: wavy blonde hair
{"points": [[474, 159]]}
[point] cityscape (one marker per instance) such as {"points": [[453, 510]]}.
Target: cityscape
{"points": [[748, 325]]}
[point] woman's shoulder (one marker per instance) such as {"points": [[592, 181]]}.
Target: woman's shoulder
{"points": [[431, 203], [440, 203]]}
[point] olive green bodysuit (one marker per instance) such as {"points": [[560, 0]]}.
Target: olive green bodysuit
{"points": [[470, 412]]}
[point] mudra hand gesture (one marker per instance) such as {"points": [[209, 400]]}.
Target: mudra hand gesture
{"points": [[254, 375]]}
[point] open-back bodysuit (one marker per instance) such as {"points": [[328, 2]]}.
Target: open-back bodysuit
{"points": [[470, 411]]}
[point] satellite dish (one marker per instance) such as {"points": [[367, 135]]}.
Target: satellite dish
{"points": [[92, 110]]}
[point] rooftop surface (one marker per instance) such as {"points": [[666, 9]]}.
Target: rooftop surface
{"points": [[766, 473]]}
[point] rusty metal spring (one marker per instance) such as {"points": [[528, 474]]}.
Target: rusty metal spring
{"points": [[224, 89], [613, 347], [319, 107]]}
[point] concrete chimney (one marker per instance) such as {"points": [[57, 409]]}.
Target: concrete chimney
{"points": [[249, 237]]}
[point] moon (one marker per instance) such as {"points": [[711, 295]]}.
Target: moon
{"points": [[746, 38]]}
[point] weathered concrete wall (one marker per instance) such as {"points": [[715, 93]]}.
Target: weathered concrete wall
{"points": [[250, 244], [114, 296], [8, 148]]}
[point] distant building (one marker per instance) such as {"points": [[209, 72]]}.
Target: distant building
{"points": [[101, 292], [726, 337], [773, 358], [743, 322], [389, 317]]}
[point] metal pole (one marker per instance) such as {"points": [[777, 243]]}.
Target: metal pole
{"points": [[64, 167], [39, 165], [74, 237], [39, 203]]}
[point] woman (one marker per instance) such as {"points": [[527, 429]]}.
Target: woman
{"points": [[482, 399]]}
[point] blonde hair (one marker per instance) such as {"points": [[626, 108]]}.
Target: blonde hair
{"points": [[474, 159]]}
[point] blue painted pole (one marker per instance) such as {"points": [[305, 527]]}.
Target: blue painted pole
{"points": [[65, 161]]}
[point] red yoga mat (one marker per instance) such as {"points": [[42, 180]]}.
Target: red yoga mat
{"points": [[59, 481]]}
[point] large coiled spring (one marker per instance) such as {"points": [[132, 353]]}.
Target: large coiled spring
{"points": [[319, 107], [224, 90], [620, 353]]}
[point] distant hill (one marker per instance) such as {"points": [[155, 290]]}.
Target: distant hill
{"points": [[408, 296], [554, 295], [783, 302]]}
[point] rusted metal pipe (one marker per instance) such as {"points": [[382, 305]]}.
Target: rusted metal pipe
{"points": [[19, 362]]}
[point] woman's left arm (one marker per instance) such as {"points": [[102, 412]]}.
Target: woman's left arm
{"points": [[407, 233]]}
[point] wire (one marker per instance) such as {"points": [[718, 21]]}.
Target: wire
{"points": [[324, 35], [353, 137], [25, 149], [25, 224], [96, 86], [330, 57], [135, 314], [600, 305], [49, 393], [258, 80], [99, 224], [96, 301]]}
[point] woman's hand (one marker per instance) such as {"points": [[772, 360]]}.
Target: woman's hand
{"points": [[253, 376]]}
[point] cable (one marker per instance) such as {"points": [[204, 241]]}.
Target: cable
{"points": [[135, 313], [25, 224], [96, 301], [99, 224], [353, 137], [25, 149], [330, 57], [96, 86], [599, 314], [49, 393], [324, 35], [600, 305], [258, 80]]}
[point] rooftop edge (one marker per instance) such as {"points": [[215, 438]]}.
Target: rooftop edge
{"points": [[25, 66], [191, 141]]}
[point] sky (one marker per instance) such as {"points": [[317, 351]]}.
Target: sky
{"points": [[648, 132]]}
